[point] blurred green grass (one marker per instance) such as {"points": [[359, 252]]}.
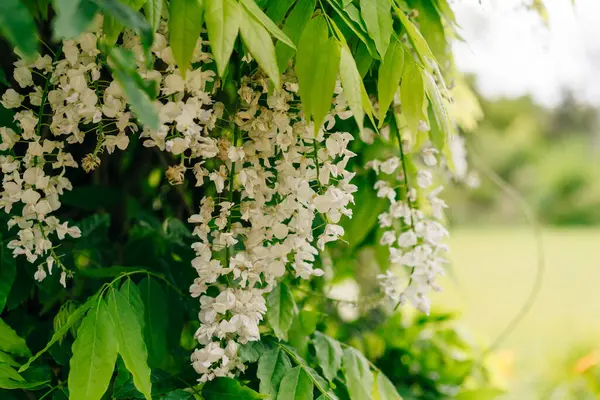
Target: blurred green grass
{"points": [[492, 273]]}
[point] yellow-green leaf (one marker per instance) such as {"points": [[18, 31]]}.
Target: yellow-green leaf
{"points": [[390, 73], [352, 85], [260, 16], [412, 95], [383, 389], [185, 24], [222, 23], [293, 27], [259, 43], [130, 341], [94, 355], [153, 12], [419, 43], [441, 123], [316, 67], [329, 353], [378, 19]]}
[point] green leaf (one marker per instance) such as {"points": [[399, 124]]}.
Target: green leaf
{"points": [[132, 295], [7, 359], [251, 351], [417, 40], [378, 19], [8, 272], [18, 27], [94, 355], [10, 379], [255, 10], [293, 27], [486, 393], [259, 43], [383, 389], [363, 59], [317, 67], [12, 343], [412, 95], [153, 12], [119, 14], [228, 389], [319, 382], [64, 328], [390, 73], [131, 342], [441, 130], [272, 366], [281, 309], [277, 9], [351, 17], [296, 385], [329, 353], [359, 378], [156, 321], [124, 72], [178, 395], [222, 23], [72, 17], [352, 84], [185, 24]]}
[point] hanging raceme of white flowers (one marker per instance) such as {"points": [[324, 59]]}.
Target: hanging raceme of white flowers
{"points": [[279, 191]]}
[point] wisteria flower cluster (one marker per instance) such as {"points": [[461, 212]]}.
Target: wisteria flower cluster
{"points": [[274, 192]]}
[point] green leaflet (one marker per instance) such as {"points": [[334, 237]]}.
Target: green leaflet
{"points": [[132, 294], [319, 382], [124, 71], [441, 125], [10, 379], [185, 24], [94, 355], [222, 23], [352, 84], [12, 343], [329, 353], [259, 43], [351, 17], [7, 359], [8, 272], [412, 94], [390, 73], [316, 67], [359, 377], [72, 17], [293, 27], [269, 25], [251, 351], [419, 43], [153, 11], [18, 27], [72, 319], [277, 9], [281, 309], [124, 14], [228, 389], [156, 321], [433, 31], [130, 341], [272, 366], [296, 385], [378, 19], [383, 389]]}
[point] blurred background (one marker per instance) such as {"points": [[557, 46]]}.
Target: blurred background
{"points": [[536, 123]]}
